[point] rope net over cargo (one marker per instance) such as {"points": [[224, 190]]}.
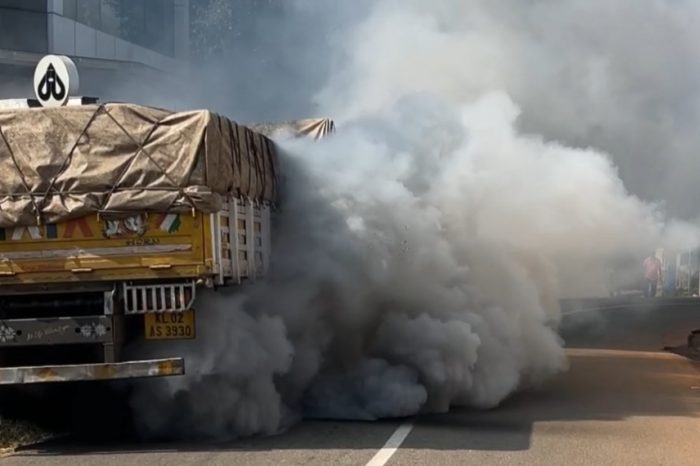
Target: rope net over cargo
{"points": [[120, 159]]}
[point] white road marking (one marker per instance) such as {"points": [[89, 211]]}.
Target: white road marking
{"points": [[391, 445]]}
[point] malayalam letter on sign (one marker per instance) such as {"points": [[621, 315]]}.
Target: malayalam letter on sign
{"points": [[55, 79]]}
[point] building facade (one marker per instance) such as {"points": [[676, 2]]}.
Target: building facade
{"points": [[111, 41]]}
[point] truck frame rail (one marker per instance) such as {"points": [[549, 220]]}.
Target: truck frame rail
{"points": [[92, 372]]}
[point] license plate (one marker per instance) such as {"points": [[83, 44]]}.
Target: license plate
{"points": [[170, 326]]}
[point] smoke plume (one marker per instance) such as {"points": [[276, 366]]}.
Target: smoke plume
{"points": [[420, 253]]}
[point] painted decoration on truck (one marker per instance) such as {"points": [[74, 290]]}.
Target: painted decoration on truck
{"points": [[73, 229], [93, 330], [52, 231], [7, 333], [18, 234], [79, 225], [132, 226], [170, 223], [86, 228]]}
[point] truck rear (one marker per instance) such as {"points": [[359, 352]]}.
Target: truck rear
{"points": [[112, 219]]}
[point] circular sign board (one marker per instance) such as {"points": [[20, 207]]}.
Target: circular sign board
{"points": [[55, 80]]}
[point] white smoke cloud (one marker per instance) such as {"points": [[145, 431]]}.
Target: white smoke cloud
{"points": [[621, 76], [419, 258], [618, 76], [420, 253]]}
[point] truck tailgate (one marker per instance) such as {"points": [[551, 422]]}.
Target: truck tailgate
{"points": [[90, 249]]}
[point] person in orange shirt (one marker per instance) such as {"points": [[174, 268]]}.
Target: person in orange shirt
{"points": [[652, 275]]}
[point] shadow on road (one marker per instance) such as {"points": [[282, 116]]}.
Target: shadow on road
{"points": [[601, 385]]}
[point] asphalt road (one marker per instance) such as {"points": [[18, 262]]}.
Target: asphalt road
{"points": [[624, 401]]}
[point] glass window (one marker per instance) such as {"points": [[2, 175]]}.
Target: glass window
{"points": [[89, 12], [70, 9], [159, 33], [148, 23], [131, 18], [30, 5], [23, 30], [109, 21]]}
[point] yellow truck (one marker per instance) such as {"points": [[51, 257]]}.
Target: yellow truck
{"points": [[112, 217]]}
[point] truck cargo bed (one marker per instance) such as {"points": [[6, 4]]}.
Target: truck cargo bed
{"points": [[140, 247], [227, 246]]}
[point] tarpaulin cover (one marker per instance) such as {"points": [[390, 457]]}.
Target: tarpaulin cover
{"points": [[120, 159], [315, 128]]}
